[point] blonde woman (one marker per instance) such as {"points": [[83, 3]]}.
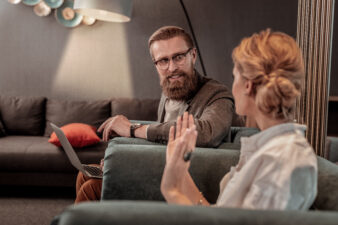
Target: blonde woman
{"points": [[277, 168]]}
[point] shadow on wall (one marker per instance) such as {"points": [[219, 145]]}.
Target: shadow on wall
{"points": [[31, 49]]}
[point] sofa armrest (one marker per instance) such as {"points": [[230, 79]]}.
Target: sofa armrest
{"points": [[151, 213], [131, 141], [237, 132], [134, 172], [232, 141], [327, 197], [331, 149]]}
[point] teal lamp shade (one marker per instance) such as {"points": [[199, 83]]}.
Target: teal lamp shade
{"points": [[106, 10]]}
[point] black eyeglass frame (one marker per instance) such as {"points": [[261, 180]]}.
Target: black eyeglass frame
{"points": [[184, 54]]}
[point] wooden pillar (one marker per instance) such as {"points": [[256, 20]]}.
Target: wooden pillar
{"points": [[314, 36]]}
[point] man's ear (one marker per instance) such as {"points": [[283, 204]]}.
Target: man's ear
{"points": [[249, 87], [194, 55]]}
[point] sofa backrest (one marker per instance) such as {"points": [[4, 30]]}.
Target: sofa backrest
{"points": [[62, 112], [23, 115], [33, 115], [135, 109], [134, 172]]}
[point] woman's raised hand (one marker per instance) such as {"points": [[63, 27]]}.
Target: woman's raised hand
{"points": [[180, 143], [184, 139]]}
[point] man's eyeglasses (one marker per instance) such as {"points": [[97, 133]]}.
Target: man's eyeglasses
{"points": [[178, 59]]}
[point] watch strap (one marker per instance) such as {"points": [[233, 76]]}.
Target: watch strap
{"points": [[133, 127]]}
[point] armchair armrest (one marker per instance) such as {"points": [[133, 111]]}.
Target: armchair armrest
{"points": [[232, 141], [131, 141]]}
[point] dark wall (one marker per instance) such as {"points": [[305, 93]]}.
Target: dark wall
{"points": [[41, 57], [334, 59], [220, 25]]}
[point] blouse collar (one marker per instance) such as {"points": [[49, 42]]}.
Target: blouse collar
{"points": [[256, 141]]}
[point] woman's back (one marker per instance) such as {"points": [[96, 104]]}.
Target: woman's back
{"points": [[277, 170]]}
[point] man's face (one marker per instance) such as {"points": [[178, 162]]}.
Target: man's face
{"points": [[177, 76]]}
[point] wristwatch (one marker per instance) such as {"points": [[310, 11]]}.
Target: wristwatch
{"points": [[133, 127]]}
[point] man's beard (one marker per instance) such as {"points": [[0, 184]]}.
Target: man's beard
{"points": [[178, 90]]}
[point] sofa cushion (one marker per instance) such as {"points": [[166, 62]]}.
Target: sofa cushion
{"points": [[23, 115], [135, 109], [33, 154], [78, 134], [62, 112]]}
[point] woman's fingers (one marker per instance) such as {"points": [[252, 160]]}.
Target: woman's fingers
{"points": [[184, 141], [192, 143], [178, 127], [171, 134], [185, 122], [171, 144], [191, 120], [183, 146], [190, 136]]}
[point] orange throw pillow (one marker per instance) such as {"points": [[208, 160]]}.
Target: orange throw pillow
{"points": [[78, 134]]}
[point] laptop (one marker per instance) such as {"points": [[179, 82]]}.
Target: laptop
{"points": [[90, 171]]}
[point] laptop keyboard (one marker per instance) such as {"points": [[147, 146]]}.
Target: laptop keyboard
{"points": [[93, 170]]}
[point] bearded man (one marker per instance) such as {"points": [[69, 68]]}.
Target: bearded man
{"points": [[183, 89]]}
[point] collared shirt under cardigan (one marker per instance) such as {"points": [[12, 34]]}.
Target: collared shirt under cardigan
{"points": [[213, 110], [277, 170]]}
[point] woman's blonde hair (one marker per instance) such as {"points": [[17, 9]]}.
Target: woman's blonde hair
{"points": [[274, 63]]}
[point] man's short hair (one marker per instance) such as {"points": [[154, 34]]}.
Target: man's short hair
{"points": [[168, 32]]}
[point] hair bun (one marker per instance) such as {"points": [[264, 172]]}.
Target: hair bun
{"points": [[277, 96]]}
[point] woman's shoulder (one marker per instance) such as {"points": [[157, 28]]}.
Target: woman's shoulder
{"points": [[291, 149]]}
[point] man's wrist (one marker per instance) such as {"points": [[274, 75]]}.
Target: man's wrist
{"points": [[141, 132], [133, 128]]}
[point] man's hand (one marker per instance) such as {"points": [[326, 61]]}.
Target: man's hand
{"points": [[117, 124], [101, 164]]}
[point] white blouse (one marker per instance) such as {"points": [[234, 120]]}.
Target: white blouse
{"points": [[277, 170]]}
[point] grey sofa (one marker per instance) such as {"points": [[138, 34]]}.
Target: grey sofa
{"points": [[26, 157], [131, 192]]}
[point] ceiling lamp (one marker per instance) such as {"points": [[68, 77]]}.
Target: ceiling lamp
{"points": [[106, 10]]}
